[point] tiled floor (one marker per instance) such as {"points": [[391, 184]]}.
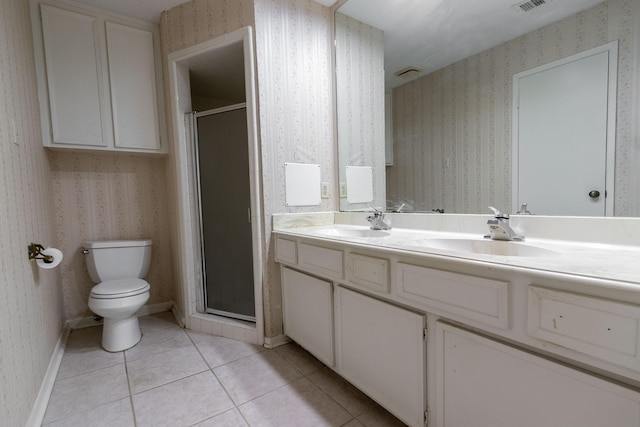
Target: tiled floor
{"points": [[175, 377]]}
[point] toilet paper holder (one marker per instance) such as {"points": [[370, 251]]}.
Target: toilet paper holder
{"points": [[35, 252]]}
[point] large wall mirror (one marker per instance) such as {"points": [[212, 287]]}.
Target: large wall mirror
{"points": [[425, 97]]}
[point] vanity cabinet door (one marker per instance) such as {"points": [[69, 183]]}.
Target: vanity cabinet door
{"points": [[380, 348], [482, 382], [308, 313]]}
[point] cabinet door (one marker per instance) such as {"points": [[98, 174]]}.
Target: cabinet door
{"points": [[133, 87], [74, 78], [308, 313], [380, 348], [482, 382]]}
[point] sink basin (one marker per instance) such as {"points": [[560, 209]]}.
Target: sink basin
{"points": [[486, 247], [353, 232]]}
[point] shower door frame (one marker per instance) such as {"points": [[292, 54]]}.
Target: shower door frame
{"points": [[189, 308], [195, 140]]}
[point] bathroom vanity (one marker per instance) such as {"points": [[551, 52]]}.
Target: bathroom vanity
{"points": [[443, 327]]}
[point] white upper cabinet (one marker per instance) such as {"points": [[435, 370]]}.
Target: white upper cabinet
{"points": [[97, 79], [73, 68], [133, 87]]}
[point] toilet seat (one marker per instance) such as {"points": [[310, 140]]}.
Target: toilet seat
{"points": [[120, 288]]}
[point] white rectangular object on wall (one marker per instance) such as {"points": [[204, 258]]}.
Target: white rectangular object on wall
{"points": [[302, 184], [359, 184]]}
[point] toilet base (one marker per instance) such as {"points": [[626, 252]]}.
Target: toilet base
{"points": [[120, 334]]}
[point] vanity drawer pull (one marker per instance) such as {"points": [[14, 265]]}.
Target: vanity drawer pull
{"points": [[605, 329]]}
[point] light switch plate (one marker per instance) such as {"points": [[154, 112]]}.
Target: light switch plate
{"points": [[343, 189], [324, 190]]}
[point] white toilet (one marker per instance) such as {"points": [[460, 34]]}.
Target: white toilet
{"points": [[118, 267]]}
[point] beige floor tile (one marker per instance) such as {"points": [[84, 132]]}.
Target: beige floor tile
{"points": [[253, 376], [158, 341], [156, 321], [84, 338], [163, 368], [173, 386], [231, 418], [197, 336], [352, 399], [118, 413], [354, 423], [85, 392], [83, 353], [297, 405], [379, 417], [218, 351], [299, 358], [181, 403]]}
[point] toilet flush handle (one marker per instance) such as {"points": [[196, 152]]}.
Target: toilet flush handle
{"points": [[85, 251]]}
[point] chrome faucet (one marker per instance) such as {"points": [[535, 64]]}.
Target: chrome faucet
{"points": [[524, 210], [377, 220], [499, 228]]}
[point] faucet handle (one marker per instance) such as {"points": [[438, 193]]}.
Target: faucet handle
{"points": [[376, 212], [498, 214], [524, 210]]}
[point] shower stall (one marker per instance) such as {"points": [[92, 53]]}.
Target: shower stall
{"points": [[223, 182]]}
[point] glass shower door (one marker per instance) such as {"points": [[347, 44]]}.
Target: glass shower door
{"points": [[225, 211]]}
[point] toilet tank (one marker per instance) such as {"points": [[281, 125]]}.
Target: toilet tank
{"points": [[117, 259]]}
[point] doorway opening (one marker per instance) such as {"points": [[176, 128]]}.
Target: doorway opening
{"points": [[219, 211]]}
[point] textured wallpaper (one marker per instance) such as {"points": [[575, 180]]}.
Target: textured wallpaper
{"points": [[360, 112], [293, 41], [31, 314], [293, 54], [201, 20], [181, 27], [103, 197], [452, 128]]}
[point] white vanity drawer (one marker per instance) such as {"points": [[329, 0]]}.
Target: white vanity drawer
{"points": [[476, 298], [324, 261], [604, 329], [286, 251], [369, 272]]}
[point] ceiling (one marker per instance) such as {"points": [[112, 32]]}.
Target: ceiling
{"points": [[148, 10], [431, 34], [428, 34]]}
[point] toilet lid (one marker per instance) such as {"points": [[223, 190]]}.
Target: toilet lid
{"points": [[120, 288]]}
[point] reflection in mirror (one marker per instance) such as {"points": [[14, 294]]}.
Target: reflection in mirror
{"points": [[575, 99], [452, 121], [360, 81]]}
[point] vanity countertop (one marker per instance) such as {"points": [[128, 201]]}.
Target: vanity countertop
{"points": [[615, 265]]}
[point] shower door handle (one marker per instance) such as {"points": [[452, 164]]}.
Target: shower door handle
{"points": [[249, 215]]}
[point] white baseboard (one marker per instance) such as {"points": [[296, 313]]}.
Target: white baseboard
{"points": [[88, 321], [42, 400], [276, 341]]}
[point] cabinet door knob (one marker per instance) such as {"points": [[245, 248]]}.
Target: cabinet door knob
{"points": [[594, 194]]}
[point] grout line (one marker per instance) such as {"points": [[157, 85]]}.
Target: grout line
{"points": [[133, 408]]}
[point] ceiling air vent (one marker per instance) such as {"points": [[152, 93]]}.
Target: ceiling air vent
{"points": [[408, 73], [530, 5]]}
